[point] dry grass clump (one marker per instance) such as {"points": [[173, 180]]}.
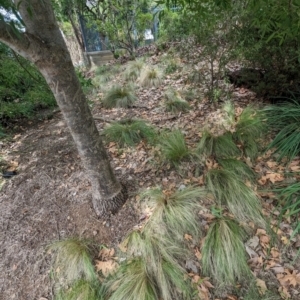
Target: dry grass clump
{"points": [[73, 260], [228, 188], [129, 132], [119, 96], [174, 148], [217, 145], [133, 70], [151, 76], [173, 102]]}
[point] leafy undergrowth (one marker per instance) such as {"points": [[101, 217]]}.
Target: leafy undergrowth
{"points": [[217, 219]]}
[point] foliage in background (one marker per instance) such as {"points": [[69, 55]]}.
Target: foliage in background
{"points": [[23, 90]]}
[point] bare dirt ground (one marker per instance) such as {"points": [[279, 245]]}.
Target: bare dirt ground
{"points": [[49, 199]]}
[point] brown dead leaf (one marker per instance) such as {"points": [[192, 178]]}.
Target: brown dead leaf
{"points": [[284, 293], [275, 253], [106, 267], [188, 237], [291, 278], [106, 253], [198, 253]]}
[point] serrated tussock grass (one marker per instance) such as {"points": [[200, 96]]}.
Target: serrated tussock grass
{"points": [[285, 118], [177, 210], [289, 199], [219, 146], [174, 147], [151, 77], [136, 280], [248, 129], [129, 132], [133, 70], [73, 260], [82, 290], [228, 108], [173, 102], [239, 168], [119, 96], [228, 188], [223, 252]]}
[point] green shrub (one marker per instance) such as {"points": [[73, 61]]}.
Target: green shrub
{"points": [[129, 132], [23, 90], [119, 96]]}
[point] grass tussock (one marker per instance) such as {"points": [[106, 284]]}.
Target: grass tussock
{"points": [[285, 119], [133, 70], [174, 104], [248, 129], [229, 111], [73, 260], [174, 148], [129, 132], [177, 211], [82, 290], [119, 96], [228, 188], [151, 77], [290, 199], [239, 168], [223, 253], [137, 280], [219, 146]]}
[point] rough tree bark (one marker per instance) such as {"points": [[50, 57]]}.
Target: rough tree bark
{"points": [[43, 44]]}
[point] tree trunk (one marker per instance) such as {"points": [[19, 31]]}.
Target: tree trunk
{"points": [[43, 44]]}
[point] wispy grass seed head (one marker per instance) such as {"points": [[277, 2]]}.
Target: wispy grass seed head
{"points": [[133, 70]]}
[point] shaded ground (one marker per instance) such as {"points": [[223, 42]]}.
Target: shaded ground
{"points": [[48, 200]]}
